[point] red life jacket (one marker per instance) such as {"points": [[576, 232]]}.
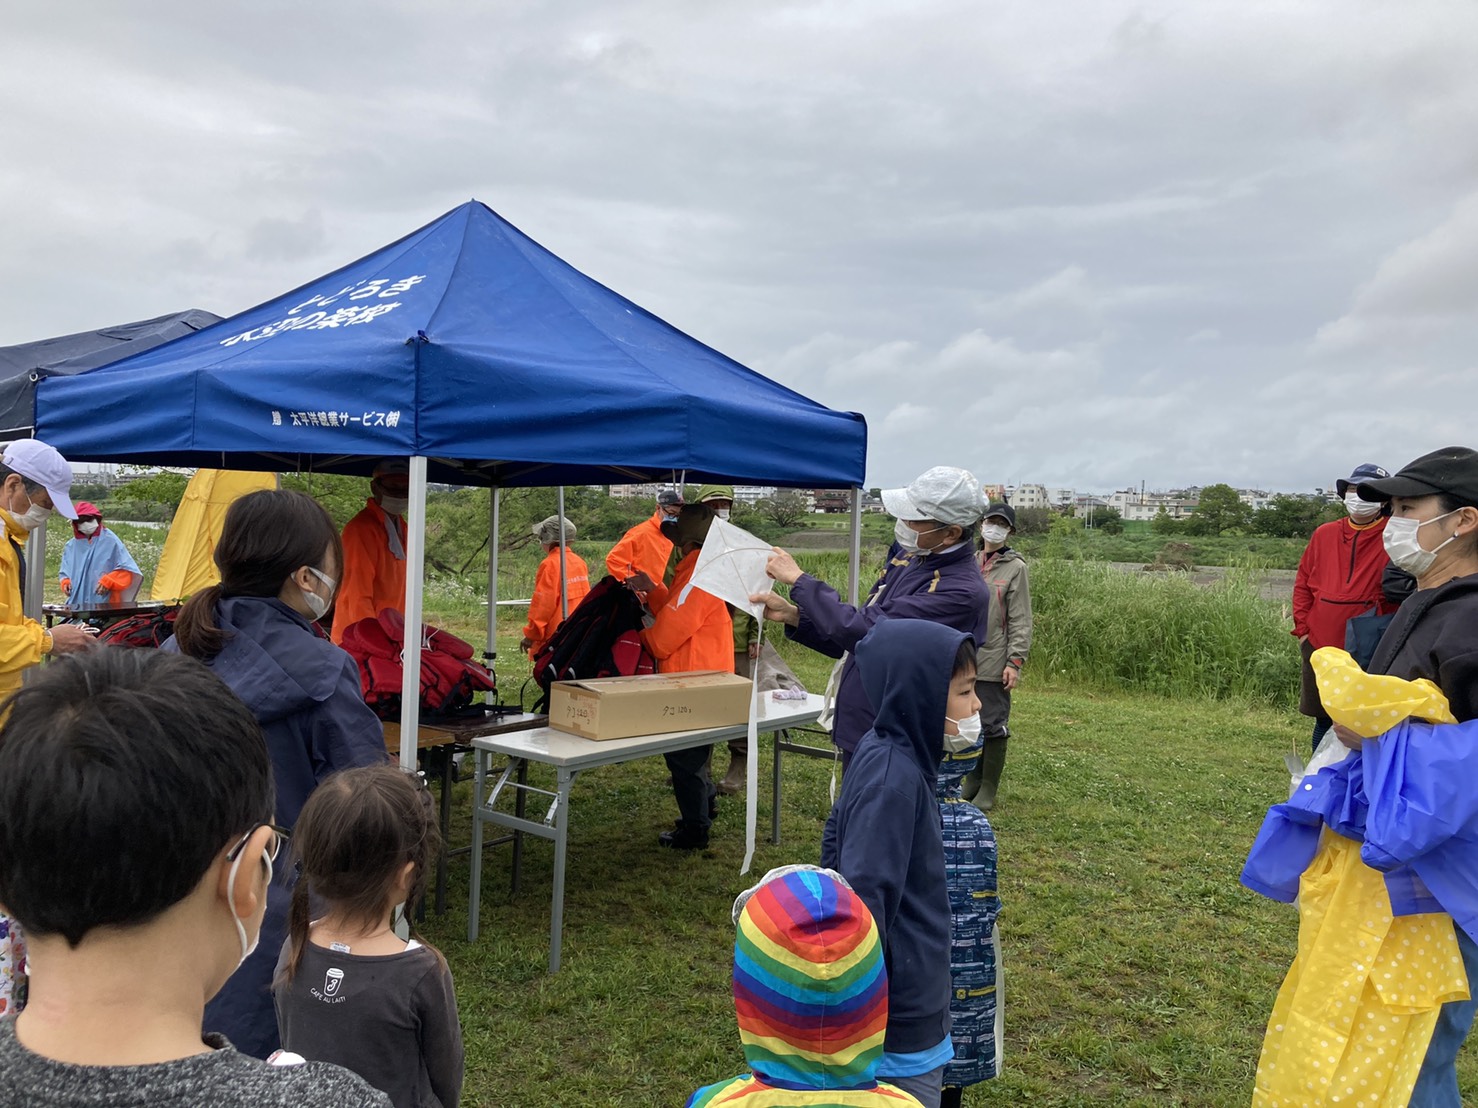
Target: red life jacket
{"points": [[449, 675]]}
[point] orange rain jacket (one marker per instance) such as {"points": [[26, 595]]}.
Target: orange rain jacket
{"points": [[690, 633], [373, 578], [644, 548], [21, 639], [544, 613]]}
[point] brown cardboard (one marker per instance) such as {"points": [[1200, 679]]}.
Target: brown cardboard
{"points": [[648, 704]]}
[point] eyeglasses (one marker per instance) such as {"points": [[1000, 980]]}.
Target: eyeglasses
{"points": [[280, 835]]}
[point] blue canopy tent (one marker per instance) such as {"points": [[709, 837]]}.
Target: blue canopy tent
{"points": [[473, 351]]}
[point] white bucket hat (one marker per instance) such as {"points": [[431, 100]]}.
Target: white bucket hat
{"points": [[944, 494]]}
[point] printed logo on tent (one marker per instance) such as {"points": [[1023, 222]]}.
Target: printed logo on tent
{"points": [[368, 293]]}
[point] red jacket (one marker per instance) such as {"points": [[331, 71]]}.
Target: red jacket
{"points": [[1339, 577]]}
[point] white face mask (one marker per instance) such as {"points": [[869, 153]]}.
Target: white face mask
{"points": [[1405, 548], [969, 734], [994, 533], [908, 538], [317, 604], [1361, 509], [89, 527], [247, 945], [394, 505], [722, 513]]}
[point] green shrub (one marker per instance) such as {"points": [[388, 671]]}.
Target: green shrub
{"points": [[1161, 633]]}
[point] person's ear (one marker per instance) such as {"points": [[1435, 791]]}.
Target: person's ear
{"points": [[303, 578], [250, 889], [406, 882], [1467, 519]]}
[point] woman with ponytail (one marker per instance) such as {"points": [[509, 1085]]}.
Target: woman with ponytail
{"points": [[279, 558], [349, 990]]}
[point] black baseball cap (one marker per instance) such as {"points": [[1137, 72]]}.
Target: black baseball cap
{"points": [[1453, 470], [1001, 510]]}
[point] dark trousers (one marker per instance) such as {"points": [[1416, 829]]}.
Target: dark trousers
{"points": [[691, 785], [995, 709]]}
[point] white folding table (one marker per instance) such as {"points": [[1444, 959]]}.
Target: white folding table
{"points": [[569, 755]]}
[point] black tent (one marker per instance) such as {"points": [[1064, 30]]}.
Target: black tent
{"points": [[22, 366]]}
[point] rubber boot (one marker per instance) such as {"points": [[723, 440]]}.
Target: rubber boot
{"points": [[734, 779], [992, 762]]}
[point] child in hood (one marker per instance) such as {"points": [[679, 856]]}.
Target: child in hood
{"points": [[884, 834], [811, 994]]}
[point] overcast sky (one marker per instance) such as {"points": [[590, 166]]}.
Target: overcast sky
{"points": [[1085, 243]]}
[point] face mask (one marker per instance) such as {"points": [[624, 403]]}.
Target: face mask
{"points": [[722, 513], [394, 505], [993, 533], [1405, 549], [90, 527], [970, 730], [1360, 509], [247, 945], [317, 604], [33, 517], [908, 538]]}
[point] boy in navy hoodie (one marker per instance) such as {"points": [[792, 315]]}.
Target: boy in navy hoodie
{"points": [[883, 834]]}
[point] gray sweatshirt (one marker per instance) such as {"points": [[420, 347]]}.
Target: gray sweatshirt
{"points": [[224, 1078]]}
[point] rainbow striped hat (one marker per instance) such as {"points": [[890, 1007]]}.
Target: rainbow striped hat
{"points": [[810, 987]]}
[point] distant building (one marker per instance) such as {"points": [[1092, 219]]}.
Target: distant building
{"points": [[1030, 496], [753, 494], [831, 500], [1138, 506], [634, 492]]}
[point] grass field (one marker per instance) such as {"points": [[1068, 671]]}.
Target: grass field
{"points": [[1137, 971]]}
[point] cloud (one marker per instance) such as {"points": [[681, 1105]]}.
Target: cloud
{"points": [[1424, 286], [1067, 242]]}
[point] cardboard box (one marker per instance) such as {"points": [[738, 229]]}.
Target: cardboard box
{"points": [[649, 704]]}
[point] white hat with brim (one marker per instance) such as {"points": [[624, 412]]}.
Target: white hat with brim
{"points": [[944, 494], [45, 466]]}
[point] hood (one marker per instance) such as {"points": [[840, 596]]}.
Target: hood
{"points": [[273, 659], [905, 666], [1005, 554], [810, 987]]}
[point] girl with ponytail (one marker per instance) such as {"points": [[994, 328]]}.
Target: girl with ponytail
{"points": [[349, 990]]}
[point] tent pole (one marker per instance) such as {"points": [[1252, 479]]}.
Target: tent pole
{"points": [[410, 655], [35, 573], [564, 590], [495, 503], [854, 558]]}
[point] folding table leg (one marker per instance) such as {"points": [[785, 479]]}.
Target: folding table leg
{"points": [[561, 844], [779, 738], [474, 887], [445, 754], [518, 810]]}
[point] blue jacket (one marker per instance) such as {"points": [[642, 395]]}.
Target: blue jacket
{"points": [[1407, 797], [305, 693], [883, 834], [941, 588]]}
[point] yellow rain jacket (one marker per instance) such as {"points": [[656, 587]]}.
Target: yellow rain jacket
{"points": [[1356, 1012], [23, 641]]}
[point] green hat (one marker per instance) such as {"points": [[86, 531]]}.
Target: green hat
{"points": [[715, 492], [547, 531]]}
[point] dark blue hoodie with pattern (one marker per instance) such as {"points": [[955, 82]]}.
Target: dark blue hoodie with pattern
{"points": [[883, 834]]}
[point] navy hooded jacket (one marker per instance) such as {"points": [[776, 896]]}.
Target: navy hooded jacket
{"points": [[883, 834], [943, 588], [305, 694]]}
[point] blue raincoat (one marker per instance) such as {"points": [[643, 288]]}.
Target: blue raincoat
{"points": [[84, 560]]}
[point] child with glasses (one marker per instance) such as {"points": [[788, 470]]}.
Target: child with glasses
{"points": [[350, 990], [136, 853]]}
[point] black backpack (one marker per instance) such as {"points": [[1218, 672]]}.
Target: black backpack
{"points": [[601, 638]]}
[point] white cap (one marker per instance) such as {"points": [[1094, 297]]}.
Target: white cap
{"points": [[944, 494], [44, 465]]}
